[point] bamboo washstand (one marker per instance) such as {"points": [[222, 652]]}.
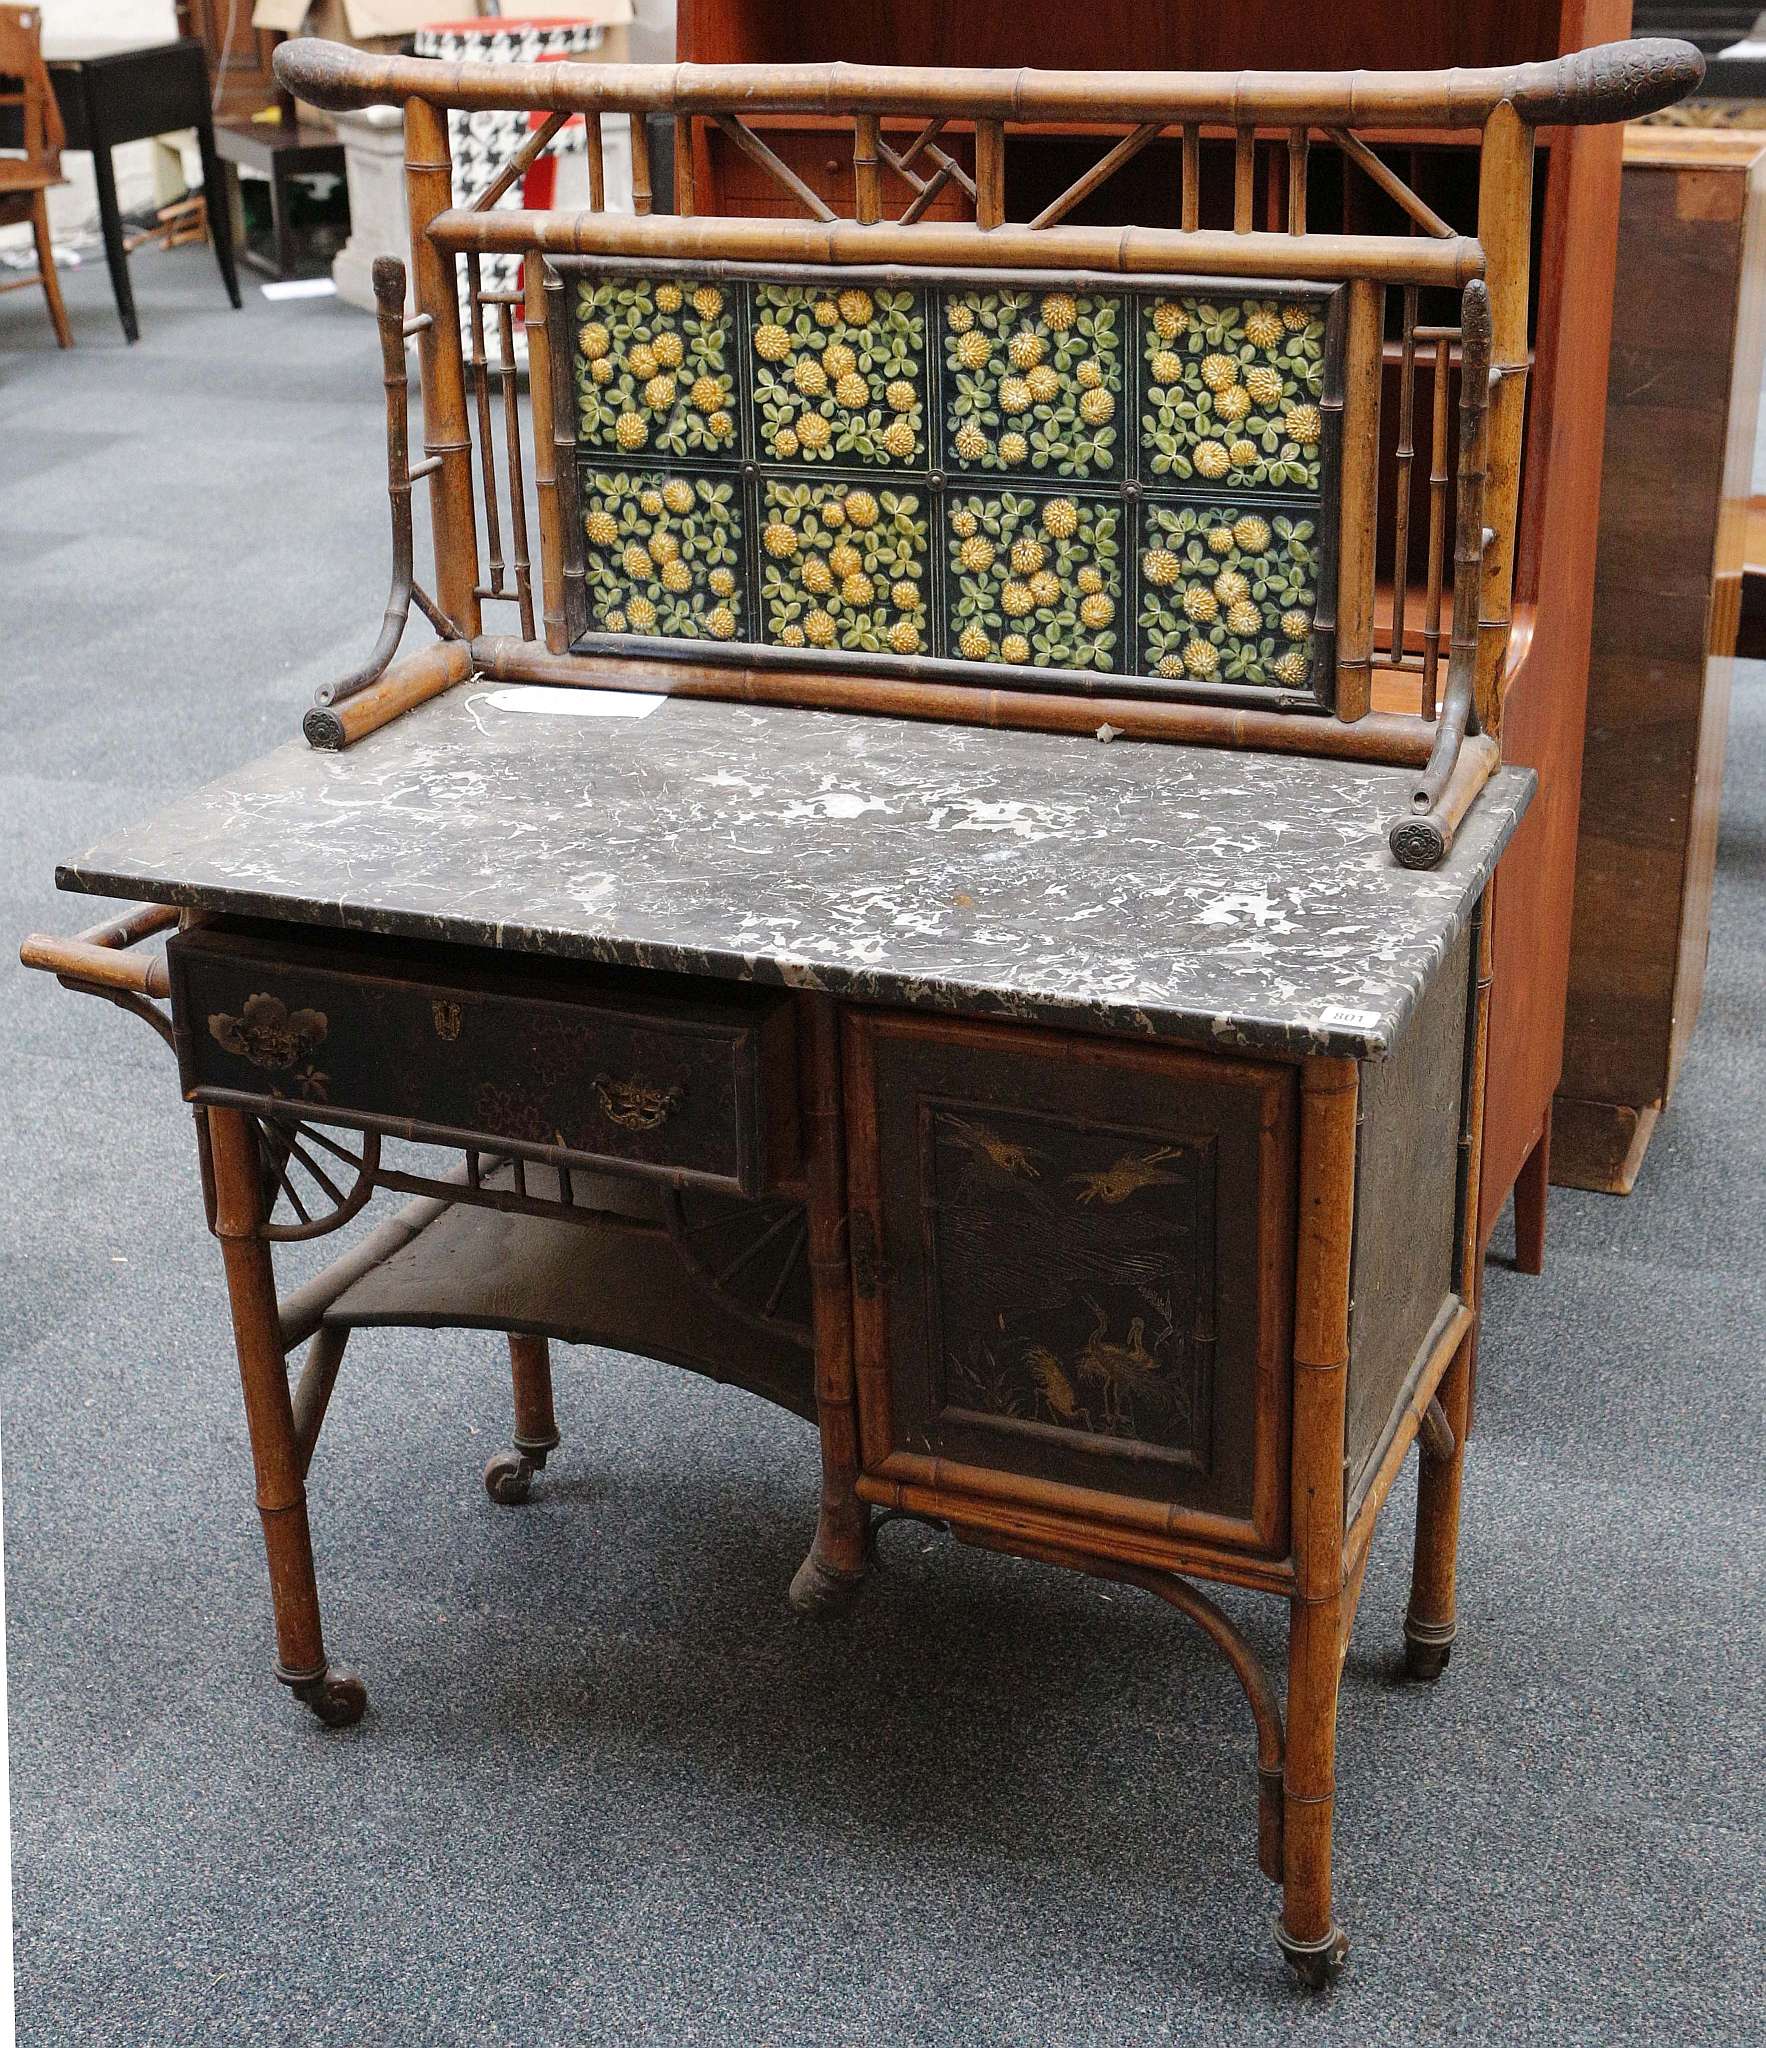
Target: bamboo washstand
{"points": [[985, 978]]}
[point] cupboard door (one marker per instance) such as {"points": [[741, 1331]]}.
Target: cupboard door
{"points": [[1072, 1264]]}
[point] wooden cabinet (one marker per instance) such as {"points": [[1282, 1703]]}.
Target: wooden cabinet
{"points": [[1689, 326], [1073, 1269]]}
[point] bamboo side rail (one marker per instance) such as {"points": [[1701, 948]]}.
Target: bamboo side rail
{"points": [[1614, 82], [1358, 523], [546, 456], [952, 244], [406, 683], [100, 957]]}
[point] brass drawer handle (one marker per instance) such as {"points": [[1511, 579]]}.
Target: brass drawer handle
{"points": [[635, 1105]]}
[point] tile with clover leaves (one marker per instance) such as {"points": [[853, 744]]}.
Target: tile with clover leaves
{"points": [[663, 554], [844, 566], [1032, 383], [655, 369], [1228, 592], [1230, 391], [1034, 579], [839, 375]]}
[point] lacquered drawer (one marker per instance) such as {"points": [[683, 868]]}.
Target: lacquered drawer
{"points": [[675, 1077]]}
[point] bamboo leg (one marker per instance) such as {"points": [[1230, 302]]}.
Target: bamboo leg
{"points": [[830, 1576], [1530, 1191], [1307, 1932], [338, 1697], [510, 1473], [1429, 1624]]}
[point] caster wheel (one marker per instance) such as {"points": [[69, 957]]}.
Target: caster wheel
{"points": [[1318, 1964], [1424, 1661], [817, 1589], [508, 1477], [340, 1699]]}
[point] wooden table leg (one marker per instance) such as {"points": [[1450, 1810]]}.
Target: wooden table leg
{"points": [[110, 219], [509, 1474], [337, 1696], [219, 207], [1532, 1185], [1429, 1625]]}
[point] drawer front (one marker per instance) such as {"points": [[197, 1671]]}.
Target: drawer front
{"points": [[1072, 1270], [697, 1087]]}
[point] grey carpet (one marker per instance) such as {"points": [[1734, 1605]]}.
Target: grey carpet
{"points": [[608, 1792]]}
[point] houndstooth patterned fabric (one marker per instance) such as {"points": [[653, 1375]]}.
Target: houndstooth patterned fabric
{"points": [[481, 143]]}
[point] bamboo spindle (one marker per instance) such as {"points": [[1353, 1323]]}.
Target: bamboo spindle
{"points": [[686, 171], [1244, 179], [545, 474], [867, 169], [990, 174], [435, 290], [1404, 461], [597, 163], [1438, 427], [1191, 188], [1358, 467], [512, 457], [1328, 1102], [487, 452], [1505, 226], [571, 570], [1297, 142], [641, 188]]}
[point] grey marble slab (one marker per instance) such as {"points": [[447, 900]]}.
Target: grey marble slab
{"points": [[1189, 893]]}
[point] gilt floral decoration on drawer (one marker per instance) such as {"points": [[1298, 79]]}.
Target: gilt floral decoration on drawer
{"points": [[1035, 580], [1232, 390], [1228, 593], [839, 375], [663, 554], [655, 366], [270, 1035], [843, 567], [1033, 382]]}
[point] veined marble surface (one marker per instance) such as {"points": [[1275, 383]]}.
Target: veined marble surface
{"points": [[1174, 892]]}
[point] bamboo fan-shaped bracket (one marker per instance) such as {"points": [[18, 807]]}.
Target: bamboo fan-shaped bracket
{"points": [[314, 1180]]}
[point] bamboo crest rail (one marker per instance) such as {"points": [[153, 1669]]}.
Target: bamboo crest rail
{"points": [[950, 140]]}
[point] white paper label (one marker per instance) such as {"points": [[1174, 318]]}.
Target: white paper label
{"points": [[1350, 1020], [543, 698]]}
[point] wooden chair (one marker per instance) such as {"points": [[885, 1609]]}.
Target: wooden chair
{"points": [[25, 179]]}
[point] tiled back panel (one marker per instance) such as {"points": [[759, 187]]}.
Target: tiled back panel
{"points": [[1136, 482]]}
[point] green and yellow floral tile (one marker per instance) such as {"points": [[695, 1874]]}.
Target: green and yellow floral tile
{"points": [[663, 555], [1230, 391], [1228, 593], [843, 566], [1034, 580], [656, 367], [1032, 383], [839, 375]]}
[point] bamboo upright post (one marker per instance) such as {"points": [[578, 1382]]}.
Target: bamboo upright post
{"points": [[830, 1575], [1309, 1934], [336, 1696], [1505, 227], [435, 289], [1358, 469]]}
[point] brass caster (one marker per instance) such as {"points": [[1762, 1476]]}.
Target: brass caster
{"points": [[818, 1589], [507, 1478], [1318, 1964], [337, 1696], [1427, 1651]]}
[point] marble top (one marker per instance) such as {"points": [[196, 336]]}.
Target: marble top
{"points": [[1175, 892]]}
